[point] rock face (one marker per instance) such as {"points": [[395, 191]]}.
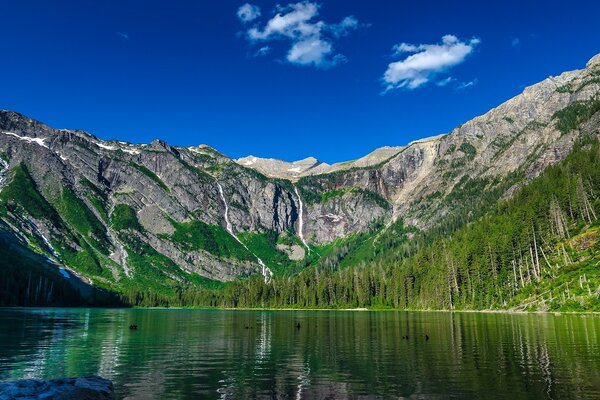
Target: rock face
{"points": [[294, 170], [513, 142], [85, 388], [285, 170], [108, 208]]}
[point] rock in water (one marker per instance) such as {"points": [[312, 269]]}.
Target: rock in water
{"points": [[84, 388]]}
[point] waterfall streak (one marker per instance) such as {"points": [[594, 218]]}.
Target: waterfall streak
{"points": [[3, 171], [300, 219], [266, 272]]}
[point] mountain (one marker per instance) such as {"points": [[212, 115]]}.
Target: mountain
{"points": [[158, 218], [274, 168], [538, 250], [294, 170]]}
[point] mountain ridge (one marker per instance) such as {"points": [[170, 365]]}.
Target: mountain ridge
{"points": [[130, 216]]}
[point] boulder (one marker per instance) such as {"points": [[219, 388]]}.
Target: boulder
{"points": [[83, 388]]}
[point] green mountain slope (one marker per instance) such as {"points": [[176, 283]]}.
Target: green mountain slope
{"points": [[418, 226], [539, 250]]}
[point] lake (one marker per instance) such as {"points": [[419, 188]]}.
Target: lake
{"points": [[191, 354]]}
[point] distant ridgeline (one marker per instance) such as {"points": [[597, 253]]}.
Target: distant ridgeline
{"points": [[539, 250], [500, 213]]}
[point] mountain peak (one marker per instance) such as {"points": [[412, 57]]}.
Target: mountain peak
{"points": [[594, 61]]}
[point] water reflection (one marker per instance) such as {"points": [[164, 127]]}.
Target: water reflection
{"points": [[247, 354]]}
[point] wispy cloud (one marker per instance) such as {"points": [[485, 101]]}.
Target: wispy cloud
{"points": [[311, 40], [466, 85], [123, 35], [427, 62], [445, 82], [248, 12], [263, 51], [515, 42]]}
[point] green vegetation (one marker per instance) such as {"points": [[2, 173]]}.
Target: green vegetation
{"points": [[264, 245], [537, 251], [197, 235], [80, 217], [326, 196], [21, 195], [575, 113], [566, 88], [150, 175], [468, 149], [82, 259], [123, 217], [29, 279], [202, 176], [96, 197]]}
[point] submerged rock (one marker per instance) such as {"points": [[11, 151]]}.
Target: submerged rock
{"points": [[84, 388]]}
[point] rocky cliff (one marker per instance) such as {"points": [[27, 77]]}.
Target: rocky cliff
{"points": [[157, 215]]}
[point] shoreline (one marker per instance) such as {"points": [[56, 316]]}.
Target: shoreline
{"points": [[362, 309]]}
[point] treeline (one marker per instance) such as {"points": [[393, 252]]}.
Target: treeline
{"points": [[537, 250], [28, 279]]}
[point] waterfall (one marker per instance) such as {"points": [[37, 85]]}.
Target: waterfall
{"points": [[266, 272], [3, 171], [300, 219], [227, 223], [124, 262]]}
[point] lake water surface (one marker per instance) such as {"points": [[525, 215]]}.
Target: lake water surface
{"points": [[191, 354]]}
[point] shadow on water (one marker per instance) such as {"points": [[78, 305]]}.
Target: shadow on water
{"points": [[304, 354]]}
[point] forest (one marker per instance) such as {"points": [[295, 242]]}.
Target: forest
{"points": [[538, 250]]}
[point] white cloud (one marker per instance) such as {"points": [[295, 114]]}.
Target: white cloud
{"points": [[426, 61], [263, 51], [311, 42], [445, 82], [404, 48], [466, 85], [309, 51], [248, 12], [348, 24], [123, 35]]}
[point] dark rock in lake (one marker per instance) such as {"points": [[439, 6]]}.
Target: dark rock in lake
{"points": [[84, 388]]}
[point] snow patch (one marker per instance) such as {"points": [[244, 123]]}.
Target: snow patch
{"points": [[296, 170], [251, 161], [134, 152], [113, 148], [107, 147], [29, 139]]}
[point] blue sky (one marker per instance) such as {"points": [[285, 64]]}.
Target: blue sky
{"points": [[285, 80]]}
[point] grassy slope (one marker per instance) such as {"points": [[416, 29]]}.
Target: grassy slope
{"points": [[517, 256]]}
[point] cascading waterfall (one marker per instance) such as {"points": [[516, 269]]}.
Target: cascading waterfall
{"points": [[124, 256], [300, 219], [266, 272], [227, 223], [3, 171]]}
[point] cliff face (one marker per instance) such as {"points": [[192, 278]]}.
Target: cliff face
{"points": [[507, 145], [108, 209]]}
